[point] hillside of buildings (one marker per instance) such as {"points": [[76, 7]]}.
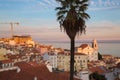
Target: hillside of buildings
{"points": [[21, 58]]}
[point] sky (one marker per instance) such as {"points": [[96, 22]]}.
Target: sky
{"points": [[38, 19]]}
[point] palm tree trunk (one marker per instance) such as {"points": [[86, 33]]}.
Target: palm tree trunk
{"points": [[72, 59]]}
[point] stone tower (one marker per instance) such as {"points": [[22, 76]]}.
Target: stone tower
{"points": [[95, 44]]}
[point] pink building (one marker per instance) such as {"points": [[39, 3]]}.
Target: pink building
{"points": [[42, 49]]}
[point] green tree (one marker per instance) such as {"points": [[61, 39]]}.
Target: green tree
{"points": [[99, 56], [96, 76], [71, 16]]}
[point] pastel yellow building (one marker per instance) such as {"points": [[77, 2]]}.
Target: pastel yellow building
{"points": [[61, 61], [21, 39], [2, 53], [17, 39]]}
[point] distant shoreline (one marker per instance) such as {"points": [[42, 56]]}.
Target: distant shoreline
{"points": [[83, 41], [105, 46]]}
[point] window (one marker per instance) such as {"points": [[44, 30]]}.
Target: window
{"points": [[84, 61], [88, 53], [81, 61], [75, 57]]}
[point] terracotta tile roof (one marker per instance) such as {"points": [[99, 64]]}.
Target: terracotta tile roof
{"points": [[80, 54], [42, 46], [99, 69], [69, 53], [28, 72], [51, 53], [118, 65], [22, 76], [34, 64], [107, 55], [6, 61], [14, 56], [83, 46], [60, 53]]}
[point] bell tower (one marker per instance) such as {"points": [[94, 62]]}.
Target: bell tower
{"points": [[95, 44]]}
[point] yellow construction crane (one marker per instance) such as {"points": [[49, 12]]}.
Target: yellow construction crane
{"points": [[11, 24]]}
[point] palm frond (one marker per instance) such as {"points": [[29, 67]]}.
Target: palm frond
{"points": [[63, 2], [84, 15], [58, 8], [71, 15], [61, 12], [60, 17], [83, 7], [83, 1]]}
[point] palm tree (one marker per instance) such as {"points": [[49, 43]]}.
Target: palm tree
{"points": [[71, 16]]}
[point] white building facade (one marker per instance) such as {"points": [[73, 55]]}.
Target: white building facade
{"points": [[91, 52], [61, 61]]}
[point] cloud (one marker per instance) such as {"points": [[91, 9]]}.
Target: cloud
{"points": [[94, 4], [99, 30], [21, 0], [102, 30], [40, 5], [104, 4], [103, 27], [103, 23], [47, 4], [51, 4]]}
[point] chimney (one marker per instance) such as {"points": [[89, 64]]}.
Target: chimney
{"points": [[35, 78], [49, 67], [18, 70]]}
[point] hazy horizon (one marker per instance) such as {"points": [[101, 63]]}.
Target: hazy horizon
{"points": [[81, 41], [38, 19]]}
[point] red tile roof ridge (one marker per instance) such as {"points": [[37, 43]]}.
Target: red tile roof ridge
{"points": [[98, 69], [80, 54], [42, 73], [106, 55], [6, 61], [34, 64], [83, 46], [61, 52]]}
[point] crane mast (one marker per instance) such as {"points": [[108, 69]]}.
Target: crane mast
{"points": [[11, 25]]}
